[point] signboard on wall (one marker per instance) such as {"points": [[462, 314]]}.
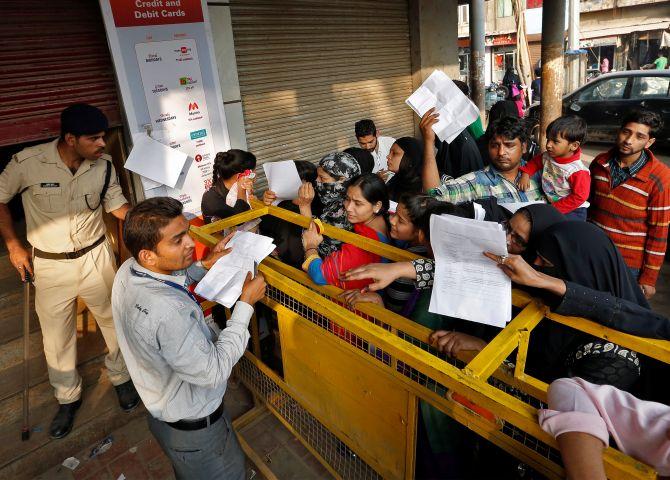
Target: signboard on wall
{"points": [[165, 64]]}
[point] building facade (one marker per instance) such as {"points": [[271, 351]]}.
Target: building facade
{"points": [[626, 32]]}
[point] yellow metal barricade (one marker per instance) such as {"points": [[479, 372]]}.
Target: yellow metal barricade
{"points": [[351, 380]]}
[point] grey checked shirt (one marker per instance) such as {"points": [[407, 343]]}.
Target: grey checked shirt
{"points": [[178, 365]]}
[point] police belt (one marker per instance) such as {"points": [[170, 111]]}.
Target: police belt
{"points": [[68, 255], [200, 423]]}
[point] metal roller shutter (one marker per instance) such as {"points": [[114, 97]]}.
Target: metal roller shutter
{"points": [[535, 49], [308, 70], [53, 54]]}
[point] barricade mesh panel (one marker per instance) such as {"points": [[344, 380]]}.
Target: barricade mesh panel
{"points": [[320, 320], [340, 457]]}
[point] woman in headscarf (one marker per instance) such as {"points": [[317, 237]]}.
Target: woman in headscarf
{"points": [[581, 272], [404, 160], [583, 255], [334, 170], [511, 78], [527, 225]]}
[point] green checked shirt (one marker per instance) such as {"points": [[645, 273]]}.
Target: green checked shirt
{"points": [[486, 183]]}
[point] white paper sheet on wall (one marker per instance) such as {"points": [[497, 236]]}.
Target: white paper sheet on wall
{"points": [[155, 161]]}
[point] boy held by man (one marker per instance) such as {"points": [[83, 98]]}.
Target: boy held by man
{"points": [[566, 182]]}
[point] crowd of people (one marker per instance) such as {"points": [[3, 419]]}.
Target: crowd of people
{"points": [[589, 241]]}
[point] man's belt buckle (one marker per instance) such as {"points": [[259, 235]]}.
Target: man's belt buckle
{"points": [[73, 255]]}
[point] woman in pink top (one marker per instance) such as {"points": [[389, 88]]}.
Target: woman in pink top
{"points": [[582, 416]]}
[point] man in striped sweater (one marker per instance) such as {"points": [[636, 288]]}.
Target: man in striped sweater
{"points": [[630, 197]]}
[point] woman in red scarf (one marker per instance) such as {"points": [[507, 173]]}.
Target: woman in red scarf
{"points": [[366, 205]]}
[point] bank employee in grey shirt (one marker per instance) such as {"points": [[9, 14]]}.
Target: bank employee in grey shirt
{"points": [[178, 363]]}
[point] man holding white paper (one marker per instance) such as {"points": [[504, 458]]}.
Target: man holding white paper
{"points": [[224, 283], [506, 146], [179, 364]]}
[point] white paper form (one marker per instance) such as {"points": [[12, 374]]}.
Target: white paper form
{"points": [[468, 285], [512, 207], [224, 281], [283, 179], [456, 110], [155, 161], [257, 246]]}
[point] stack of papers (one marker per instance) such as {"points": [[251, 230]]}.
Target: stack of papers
{"points": [[224, 281], [467, 284], [283, 179], [456, 110]]}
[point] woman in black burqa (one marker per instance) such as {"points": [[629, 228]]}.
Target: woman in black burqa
{"points": [[404, 160], [596, 284]]}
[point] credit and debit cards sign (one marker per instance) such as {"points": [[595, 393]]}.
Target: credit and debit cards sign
{"points": [[164, 59]]}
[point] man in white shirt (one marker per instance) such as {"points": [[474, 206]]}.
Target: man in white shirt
{"points": [[180, 364], [369, 139]]}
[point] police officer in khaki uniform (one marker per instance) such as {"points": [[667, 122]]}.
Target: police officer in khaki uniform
{"points": [[64, 186]]}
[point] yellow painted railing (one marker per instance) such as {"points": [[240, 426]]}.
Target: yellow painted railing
{"points": [[389, 357]]}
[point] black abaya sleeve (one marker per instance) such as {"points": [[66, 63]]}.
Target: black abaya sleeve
{"points": [[613, 312]]}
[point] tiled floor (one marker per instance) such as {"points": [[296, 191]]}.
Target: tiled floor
{"points": [[135, 455]]}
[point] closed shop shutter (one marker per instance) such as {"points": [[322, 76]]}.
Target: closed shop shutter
{"points": [[535, 49], [308, 70], [53, 54]]}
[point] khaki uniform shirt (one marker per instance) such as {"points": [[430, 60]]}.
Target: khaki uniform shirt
{"points": [[54, 200]]}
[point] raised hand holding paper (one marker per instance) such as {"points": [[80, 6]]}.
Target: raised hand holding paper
{"points": [[456, 110], [283, 179], [467, 284]]}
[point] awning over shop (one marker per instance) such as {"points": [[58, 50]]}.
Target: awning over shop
{"points": [[622, 27]]}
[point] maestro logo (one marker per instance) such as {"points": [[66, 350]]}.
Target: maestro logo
{"points": [[194, 112], [198, 134]]}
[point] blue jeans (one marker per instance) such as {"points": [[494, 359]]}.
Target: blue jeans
{"points": [[211, 452], [635, 272], [577, 214]]}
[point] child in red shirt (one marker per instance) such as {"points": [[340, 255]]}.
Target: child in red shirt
{"points": [[566, 182]]}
